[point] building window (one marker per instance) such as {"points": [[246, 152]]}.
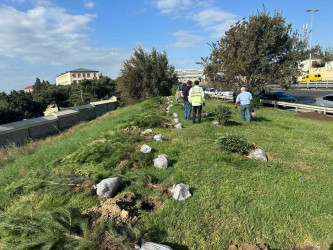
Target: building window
{"points": [[88, 74], [74, 81], [83, 75], [94, 74], [78, 75], [73, 75]]}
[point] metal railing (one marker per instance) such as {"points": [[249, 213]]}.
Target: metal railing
{"points": [[299, 107]]}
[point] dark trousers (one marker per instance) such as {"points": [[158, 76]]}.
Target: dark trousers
{"points": [[197, 109]]}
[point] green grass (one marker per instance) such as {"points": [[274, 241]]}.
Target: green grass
{"points": [[288, 199]]}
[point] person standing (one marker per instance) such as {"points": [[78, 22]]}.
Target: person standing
{"points": [[197, 99], [244, 98], [184, 93]]}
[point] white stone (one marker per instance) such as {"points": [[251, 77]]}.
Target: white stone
{"points": [[147, 132], [162, 161], [216, 123], [152, 246], [258, 154], [107, 187], [175, 115], [158, 137], [176, 120], [178, 126], [181, 192], [145, 149], [253, 114]]}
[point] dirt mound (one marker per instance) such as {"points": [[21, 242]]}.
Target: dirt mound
{"points": [[150, 204], [133, 130], [316, 116], [249, 247], [121, 209]]}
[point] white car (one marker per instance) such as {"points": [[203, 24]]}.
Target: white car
{"points": [[324, 101]]}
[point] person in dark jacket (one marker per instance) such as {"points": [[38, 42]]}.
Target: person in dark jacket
{"points": [[184, 93]]}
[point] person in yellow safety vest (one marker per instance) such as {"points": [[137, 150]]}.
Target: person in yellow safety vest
{"points": [[197, 99]]}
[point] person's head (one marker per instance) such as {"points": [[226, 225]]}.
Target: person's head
{"points": [[189, 83], [196, 82], [242, 89]]}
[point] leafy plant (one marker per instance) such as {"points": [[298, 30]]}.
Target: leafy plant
{"points": [[234, 144], [223, 114], [255, 104]]}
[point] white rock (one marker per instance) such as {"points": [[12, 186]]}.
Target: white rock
{"points": [[145, 149], [216, 123], [207, 113], [176, 120], [258, 154], [175, 115], [253, 114], [162, 161], [107, 187], [158, 137], [181, 192], [152, 246], [147, 132], [178, 126]]}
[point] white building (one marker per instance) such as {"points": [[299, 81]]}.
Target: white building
{"points": [[190, 74], [74, 76]]}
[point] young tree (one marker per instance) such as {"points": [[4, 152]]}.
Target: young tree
{"points": [[146, 74], [255, 53]]}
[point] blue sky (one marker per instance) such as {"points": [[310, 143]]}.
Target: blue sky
{"points": [[44, 38]]}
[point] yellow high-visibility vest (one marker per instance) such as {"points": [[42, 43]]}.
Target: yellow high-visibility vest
{"points": [[196, 95]]}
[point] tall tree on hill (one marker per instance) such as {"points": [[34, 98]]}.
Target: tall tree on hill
{"points": [[145, 74], [255, 53]]}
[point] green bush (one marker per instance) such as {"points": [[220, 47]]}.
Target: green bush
{"points": [[235, 144], [255, 104], [222, 114]]}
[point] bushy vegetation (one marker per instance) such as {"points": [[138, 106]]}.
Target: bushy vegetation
{"points": [[255, 104], [223, 114], [235, 144]]}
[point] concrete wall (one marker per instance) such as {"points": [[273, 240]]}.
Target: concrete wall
{"points": [[20, 132]]}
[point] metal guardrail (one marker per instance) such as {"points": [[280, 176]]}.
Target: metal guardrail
{"points": [[221, 97], [326, 84], [299, 107]]}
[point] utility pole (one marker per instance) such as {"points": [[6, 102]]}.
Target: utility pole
{"points": [[310, 44]]}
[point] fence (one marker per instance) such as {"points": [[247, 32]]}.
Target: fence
{"points": [[20, 132], [299, 107]]}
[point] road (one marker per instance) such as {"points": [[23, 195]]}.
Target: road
{"points": [[306, 96]]}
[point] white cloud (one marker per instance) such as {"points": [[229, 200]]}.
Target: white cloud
{"points": [[212, 16], [186, 39], [172, 6], [89, 4]]}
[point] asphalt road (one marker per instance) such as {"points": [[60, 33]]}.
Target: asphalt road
{"points": [[306, 96]]}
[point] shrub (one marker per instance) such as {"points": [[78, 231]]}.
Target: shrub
{"points": [[223, 114], [255, 104], [235, 144]]}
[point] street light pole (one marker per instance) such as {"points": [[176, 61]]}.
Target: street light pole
{"points": [[309, 76]]}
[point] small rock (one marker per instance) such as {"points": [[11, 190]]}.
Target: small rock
{"points": [[258, 154], [207, 113], [158, 137], [145, 149], [216, 123], [178, 126], [147, 132], [162, 161], [181, 192], [175, 115], [107, 187], [176, 120], [253, 114], [152, 246]]}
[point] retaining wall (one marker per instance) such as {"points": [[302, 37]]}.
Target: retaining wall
{"points": [[20, 132]]}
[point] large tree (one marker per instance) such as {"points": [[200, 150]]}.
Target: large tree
{"points": [[146, 74], [255, 53]]}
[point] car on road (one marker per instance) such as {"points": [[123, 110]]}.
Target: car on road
{"points": [[325, 101], [277, 95]]}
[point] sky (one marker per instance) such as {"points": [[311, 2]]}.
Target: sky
{"points": [[44, 38]]}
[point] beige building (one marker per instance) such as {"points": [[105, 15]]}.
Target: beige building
{"points": [[74, 76]]}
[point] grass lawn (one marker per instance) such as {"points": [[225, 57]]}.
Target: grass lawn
{"points": [[284, 203]]}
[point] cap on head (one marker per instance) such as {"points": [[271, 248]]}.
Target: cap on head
{"points": [[242, 88]]}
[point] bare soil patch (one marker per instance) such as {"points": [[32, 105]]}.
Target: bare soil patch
{"points": [[122, 210], [315, 116], [249, 247]]}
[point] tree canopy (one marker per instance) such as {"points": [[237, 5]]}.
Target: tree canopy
{"points": [[146, 74], [255, 53]]}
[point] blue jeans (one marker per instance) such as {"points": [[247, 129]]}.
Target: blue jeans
{"points": [[188, 109], [245, 109]]}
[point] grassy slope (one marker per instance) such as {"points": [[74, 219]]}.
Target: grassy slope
{"points": [[288, 199]]}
